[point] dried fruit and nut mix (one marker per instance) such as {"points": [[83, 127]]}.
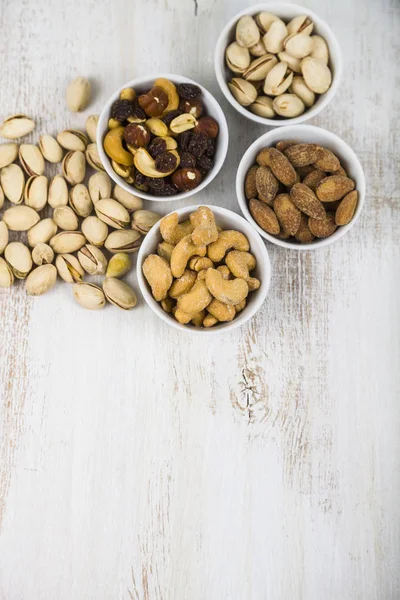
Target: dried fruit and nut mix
{"points": [[161, 141], [74, 219], [201, 274], [299, 192], [279, 68]]}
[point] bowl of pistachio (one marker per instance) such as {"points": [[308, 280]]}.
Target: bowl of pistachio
{"points": [[162, 137], [278, 64]]}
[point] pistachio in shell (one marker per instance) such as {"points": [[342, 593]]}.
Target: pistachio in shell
{"points": [[19, 258], [69, 268], [12, 181], [95, 230], [119, 293], [43, 231], [41, 280], [50, 149], [89, 295], [6, 274], [42, 254]]}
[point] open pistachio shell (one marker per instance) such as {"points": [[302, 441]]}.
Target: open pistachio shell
{"points": [[278, 80], [275, 36], [19, 258], [89, 296], [263, 107], [69, 268], [67, 241], [72, 139], [3, 236], [16, 126], [92, 260], [288, 105], [317, 75], [237, 57], [41, 280], [112, 213], [31, 159], [6, 274], [8, 154], [13, 182], [50, 149], [42, 254], [94, 230], [300, 24], [119, 293], [58, 192], [74, 167], [300, 88], [20, 218], [298, 45], [35, 192], [260, 67], [43, 231], [99, 186], [247, 32], [126, 240], [243, 91]]}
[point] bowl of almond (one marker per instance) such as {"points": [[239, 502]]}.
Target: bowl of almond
{"points": [[278, 63], [302, 187]]}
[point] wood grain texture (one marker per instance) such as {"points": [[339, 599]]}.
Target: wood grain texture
{"points": [[137, 462]]}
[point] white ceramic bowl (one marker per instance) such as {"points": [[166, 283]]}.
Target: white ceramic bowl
{"points": [[285, 12], [213, 109], [227, 220], [310, 134]]}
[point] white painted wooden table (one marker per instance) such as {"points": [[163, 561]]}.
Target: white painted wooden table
{"points": [[264, 464]]}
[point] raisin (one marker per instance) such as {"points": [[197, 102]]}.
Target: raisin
{"points": [[141, 182], [188, 91], [121, 110], [211, 147], [155, 183], [198, 144], [184, 139], [166, 162], [205, 162], [156, 147], [187, 160], [167, 190], [171, 116]]}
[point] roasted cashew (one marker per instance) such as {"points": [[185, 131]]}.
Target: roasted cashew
{"points": [[209, 321], [183, 284], [198, 319], [181, 254], [158, 274], [224, 270], [172, 231], [164, 249], [241, 306], [227, 291], [198, 263], [146, 164], [226, 240], [168, 304], [201, 275], [181, 316], [240, 263], [221, 311], [253, 283], [196, 300], [114, 148], [205, 229]]}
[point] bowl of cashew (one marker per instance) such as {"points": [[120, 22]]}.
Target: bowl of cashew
{"points": [[203, 270]]}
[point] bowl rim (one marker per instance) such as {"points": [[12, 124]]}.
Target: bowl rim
{"points": [[325, 98], [270, 138], [248, 312], [223, 137]]}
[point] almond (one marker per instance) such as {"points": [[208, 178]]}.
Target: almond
{"points": [[264, 216], [313, 179], [281, 146], [322, 228], [267, 185], [262, 157], [303, 234], [282, 168], [346, 209], [250, 188], [307, 201], [301, 155], [327, 161], [334, 187], [288, 214]]}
